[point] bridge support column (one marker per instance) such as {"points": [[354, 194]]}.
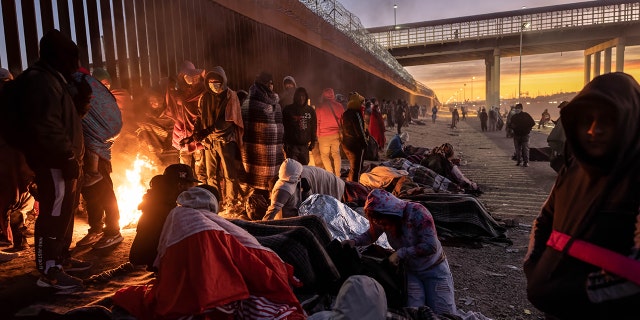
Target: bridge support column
{"points": [[587, 68], [488, 88], [495, 79], [620, 55], [596, 64], [607, 60]]}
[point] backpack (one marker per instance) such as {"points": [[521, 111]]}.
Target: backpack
{"points": [[12, 117]]}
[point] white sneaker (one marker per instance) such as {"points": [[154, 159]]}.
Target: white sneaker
{"points": [[108, 241]]}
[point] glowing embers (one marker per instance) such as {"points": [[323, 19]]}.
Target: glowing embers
{"points": [[130, 188]]}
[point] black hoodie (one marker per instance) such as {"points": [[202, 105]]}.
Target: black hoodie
{"points": [[299, 121], [594, 200]]}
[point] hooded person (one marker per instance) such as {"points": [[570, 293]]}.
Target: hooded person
{"points": [[263, 136], [396, 146], [289, 86], [582, 261], [55, 151], [354, 136], [300, 127], [329, 114], [182, 107], [360, 297], [248, 278], [411, 232], [220, 130], [376, 124], [296, 182]]}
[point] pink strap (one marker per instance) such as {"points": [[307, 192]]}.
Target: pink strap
{"points": [[606, 259]]}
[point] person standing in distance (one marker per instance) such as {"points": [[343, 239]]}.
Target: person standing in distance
{"points": [[521, 124]]}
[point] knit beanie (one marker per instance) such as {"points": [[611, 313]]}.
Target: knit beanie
{"points": [[355, 101]]}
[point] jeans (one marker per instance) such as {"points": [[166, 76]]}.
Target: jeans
{"points": [[224, 158], [196, 161], [521, 144], [432, 287], [330, 153]]}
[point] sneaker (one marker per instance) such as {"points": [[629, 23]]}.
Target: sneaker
{"points": [[73, 264], [517, 164], [8, 256], [108, 241], [57, 278], [89, 239], [526, 164]]}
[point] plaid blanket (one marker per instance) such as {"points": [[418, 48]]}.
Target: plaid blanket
{"points": [[263, 151]]}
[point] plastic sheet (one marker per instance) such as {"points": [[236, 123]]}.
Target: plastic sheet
{"points": [[342, 221]]}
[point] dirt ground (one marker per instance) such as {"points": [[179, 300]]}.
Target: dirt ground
{"points": [[488, 280]]}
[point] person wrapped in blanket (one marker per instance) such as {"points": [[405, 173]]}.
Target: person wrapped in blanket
{"points": [[296, 182], [211, 268], [583, 260], [441, 160], [411, 231]]}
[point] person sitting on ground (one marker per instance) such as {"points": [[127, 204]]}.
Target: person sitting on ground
{"points": [[411, 231], [360, 297], [155, 206], [441, 160], [296, 182], [395, 149], [210, 267]]}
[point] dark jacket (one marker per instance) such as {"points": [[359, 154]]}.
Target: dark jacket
{"points": [[521, 123], [353, 135], [53, 126], [593, 199], [300, 122]]}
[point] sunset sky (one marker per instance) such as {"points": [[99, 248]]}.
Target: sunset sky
{"points": [[541, 74]]}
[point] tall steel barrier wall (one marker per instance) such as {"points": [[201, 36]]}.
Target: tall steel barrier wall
{"points": [[139, 42]]}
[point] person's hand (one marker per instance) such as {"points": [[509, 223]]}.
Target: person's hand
{"points": [[186, 141], [200, 134], [348, 242], [394, 259]]}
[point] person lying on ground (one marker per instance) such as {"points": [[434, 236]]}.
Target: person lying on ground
{"points": [[211, 268], [296, 182], [441, 160], [411, 231]]}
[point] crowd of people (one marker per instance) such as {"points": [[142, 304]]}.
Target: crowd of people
{"points": [[232, 145]]}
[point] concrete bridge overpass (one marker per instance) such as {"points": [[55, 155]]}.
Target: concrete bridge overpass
{"points": [[595, 27]]}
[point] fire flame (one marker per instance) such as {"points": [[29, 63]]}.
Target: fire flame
{"points": [[131, 188]]}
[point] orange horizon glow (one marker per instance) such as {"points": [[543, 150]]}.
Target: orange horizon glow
{"points": [[545, 74]]}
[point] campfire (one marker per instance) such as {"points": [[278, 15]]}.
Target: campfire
{"points": [[130, 186]]}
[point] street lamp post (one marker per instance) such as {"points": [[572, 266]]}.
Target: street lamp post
{"points": [[472, 97], [523, 25], [395, 21]]}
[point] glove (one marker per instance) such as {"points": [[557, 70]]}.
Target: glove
{"points": [[71, 169], [312, 145], [200, 135], [186, 140]]}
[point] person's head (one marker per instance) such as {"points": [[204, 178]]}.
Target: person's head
{"points": [[404, 137], [300, 97], [242, 96], [483, 109], [518, 108], [60, 52], [384, 210], [355, 101], [181, 176], [601, 122], [265, 80], [200, 197], [189, 73], [103, 76], [446, 150], [216, 80], [328, 94], [289, 83]]}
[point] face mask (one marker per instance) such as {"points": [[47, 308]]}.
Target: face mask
{"points": [[216, 87]]}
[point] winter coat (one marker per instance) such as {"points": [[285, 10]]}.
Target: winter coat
{"points": [[594, 200], [182, 107], [54, 128], [328, 120], [220, 114], [521, 123]]}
